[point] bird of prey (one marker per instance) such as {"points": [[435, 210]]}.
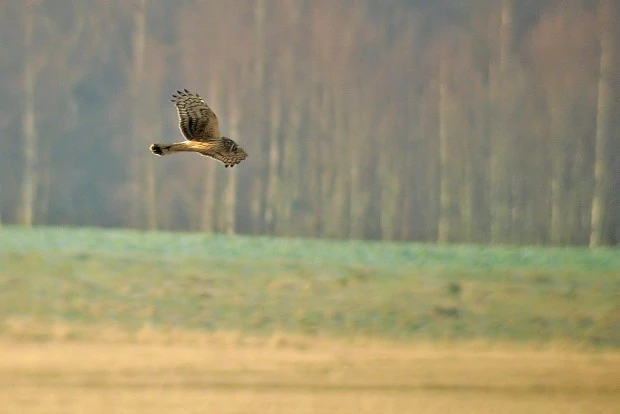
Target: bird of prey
{"points": [[200, 126]]}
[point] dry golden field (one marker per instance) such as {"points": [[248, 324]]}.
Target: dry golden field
{"points": [[229, 373]]}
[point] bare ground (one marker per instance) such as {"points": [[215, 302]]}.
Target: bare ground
{"points": [[284, 375]]}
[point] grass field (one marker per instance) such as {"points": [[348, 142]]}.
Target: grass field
{"points": [[121, 321], [260, 286]]}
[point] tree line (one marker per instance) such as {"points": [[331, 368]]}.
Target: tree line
{"points": [[476, 121]]}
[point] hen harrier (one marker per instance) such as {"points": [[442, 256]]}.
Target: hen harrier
{"points": [[200, 126]]}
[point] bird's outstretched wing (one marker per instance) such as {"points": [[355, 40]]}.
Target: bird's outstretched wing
{"points": [[196, 120], [226, 151]]}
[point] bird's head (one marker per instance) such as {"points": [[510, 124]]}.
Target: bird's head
{"points": [[232, 146]]}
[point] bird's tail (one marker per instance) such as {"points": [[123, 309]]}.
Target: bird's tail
{"points": [[160, 149]]}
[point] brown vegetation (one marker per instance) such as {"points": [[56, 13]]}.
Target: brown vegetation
{"points": [[230, 373]]}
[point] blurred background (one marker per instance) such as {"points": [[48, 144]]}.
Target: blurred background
{"points": [[390, 245], [479, 121]]}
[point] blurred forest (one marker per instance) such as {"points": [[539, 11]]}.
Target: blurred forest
{"points": [[479, 121]]}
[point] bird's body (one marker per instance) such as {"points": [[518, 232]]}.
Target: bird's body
{"points": [[200, 126]]}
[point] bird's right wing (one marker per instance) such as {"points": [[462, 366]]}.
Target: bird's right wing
{"points": [[226, 155]]}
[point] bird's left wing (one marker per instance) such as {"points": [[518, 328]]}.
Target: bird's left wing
{"points": [[196, 120]]}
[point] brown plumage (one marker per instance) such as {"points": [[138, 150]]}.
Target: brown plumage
{"points": [[200, 126]]}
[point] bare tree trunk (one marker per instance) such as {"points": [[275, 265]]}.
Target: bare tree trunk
{"points": [[230, 194], [478, 177], [482, 199], [329, 169], [291, 166], [444, 225], [340, 222], [356, 194], [44, 182], [30, 134], [259, 33], [558, 163], [258, 194], [271, 201], [137, 128], [501, 100], [601, 196], [150, 187], [469, 192], [323, 162], [152, 130], [359, 194], [390, 188], [0, 205]]}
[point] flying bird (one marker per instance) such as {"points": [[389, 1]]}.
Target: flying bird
{"points": [[200, 126]]}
